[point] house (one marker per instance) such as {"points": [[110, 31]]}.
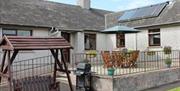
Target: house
{"points": [[159, 26], [79, 24]]}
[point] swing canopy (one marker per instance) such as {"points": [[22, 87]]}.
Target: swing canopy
{"points": [[33, 43]]}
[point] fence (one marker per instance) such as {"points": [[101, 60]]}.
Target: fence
{"points": [[146, 61], [30, 69], [33, 67]]}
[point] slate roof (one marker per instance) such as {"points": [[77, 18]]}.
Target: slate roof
{"points": [[50, 14], [170, 15]]}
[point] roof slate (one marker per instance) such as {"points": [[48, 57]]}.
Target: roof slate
{"points": [[50, 14], [171, 14]]}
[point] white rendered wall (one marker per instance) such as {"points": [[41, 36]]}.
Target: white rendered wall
{"points": [[35, 53], [79, 42], [101, 42], [130, 41], [111, 41], [171, 37]]}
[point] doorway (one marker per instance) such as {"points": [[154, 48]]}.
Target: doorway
{"points": [[66, 51]]}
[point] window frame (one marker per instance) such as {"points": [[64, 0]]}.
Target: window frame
{"points": [[119, 38], [152, 32], [4, 29], [95, 38], [30, 31], [16, 30]]}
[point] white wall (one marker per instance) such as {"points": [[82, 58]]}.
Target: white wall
{"points": [[130, 41], [101, 41], [35, 53], [40, 32], [79, 42], [141, 43], [171, 37], [142, 40], [111, 41]]}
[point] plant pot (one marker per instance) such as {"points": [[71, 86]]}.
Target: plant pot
{"points": [[168, 65], [111, 71]]}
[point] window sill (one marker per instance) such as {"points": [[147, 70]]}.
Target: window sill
{"points": [[155, 47]]}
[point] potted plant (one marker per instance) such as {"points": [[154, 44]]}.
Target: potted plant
{"points": [[111, 71], [167, 50], [91, 53], [151, 53], [168, 62]]}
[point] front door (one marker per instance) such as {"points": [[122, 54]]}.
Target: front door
{"points": [[66, 51]]}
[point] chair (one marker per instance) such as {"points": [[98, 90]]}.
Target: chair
{"points": [[107, 59], [131, 60], [117, 58]]}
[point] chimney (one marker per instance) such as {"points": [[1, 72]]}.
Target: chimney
{"points": [[85, 4]]}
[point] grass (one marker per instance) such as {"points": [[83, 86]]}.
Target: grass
{"points": [[175, 89]]}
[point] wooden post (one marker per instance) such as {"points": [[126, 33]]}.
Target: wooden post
{"points": [[11, 60], [66, 69], [56, 59], [3, 62], [9, 70], [55, 70]]}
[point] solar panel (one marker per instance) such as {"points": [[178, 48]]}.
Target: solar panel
{"points": [[145, 12]]}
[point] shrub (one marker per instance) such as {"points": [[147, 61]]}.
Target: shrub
{"points": [[151, 53], [167, 50], [168, 61]]}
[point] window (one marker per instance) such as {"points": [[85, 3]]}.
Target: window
{"points": [[24, 33], [90, 41], [13, 32], [9, 32], [154, 37], [120, 40]]}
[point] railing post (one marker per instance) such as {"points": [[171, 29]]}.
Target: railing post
{"points": [[179, 58], [146, 60]]}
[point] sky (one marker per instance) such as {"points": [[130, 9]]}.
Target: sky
{"points": [[115, 5]]}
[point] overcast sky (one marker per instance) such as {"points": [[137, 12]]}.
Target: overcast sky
{"points": [[115, 5]]}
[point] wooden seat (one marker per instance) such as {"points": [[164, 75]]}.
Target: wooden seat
{"points": [[107, 59]]}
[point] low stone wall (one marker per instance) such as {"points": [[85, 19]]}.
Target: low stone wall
{"points": [[136, 82]]}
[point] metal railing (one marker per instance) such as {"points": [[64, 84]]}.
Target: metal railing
{"points": [[40, 66], [146, 61], [33, 67]]}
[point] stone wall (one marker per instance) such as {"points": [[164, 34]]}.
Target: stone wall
{"points": [[102, 83], [136, 82]]}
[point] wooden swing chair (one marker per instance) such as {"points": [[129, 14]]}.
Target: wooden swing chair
{"points": [[14, 44]]}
